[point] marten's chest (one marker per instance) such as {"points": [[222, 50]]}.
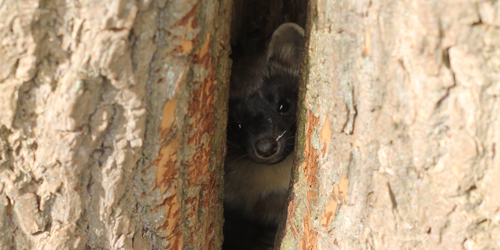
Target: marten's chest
{"points": [[257, 189]]}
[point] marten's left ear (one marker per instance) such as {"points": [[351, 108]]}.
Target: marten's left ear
{"points": [[286, 46]]}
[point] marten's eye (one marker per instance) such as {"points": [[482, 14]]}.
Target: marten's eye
{"points": [[235, 127], [283, 106]]}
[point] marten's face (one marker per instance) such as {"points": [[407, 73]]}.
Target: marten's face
{"points": [[263, 98], [264, 124]]}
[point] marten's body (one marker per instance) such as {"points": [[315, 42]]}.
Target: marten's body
{"points": [[261, 135]]}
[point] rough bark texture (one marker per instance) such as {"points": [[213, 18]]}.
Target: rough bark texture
{"points": [[400, 133], [112, 123]]}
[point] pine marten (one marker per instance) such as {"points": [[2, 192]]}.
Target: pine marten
{"points": [[260, 138]]}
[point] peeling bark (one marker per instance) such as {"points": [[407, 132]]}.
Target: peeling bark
{"points": [[400, 128]]}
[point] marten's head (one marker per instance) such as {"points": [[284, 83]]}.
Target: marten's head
{"points": [[263, 97]]}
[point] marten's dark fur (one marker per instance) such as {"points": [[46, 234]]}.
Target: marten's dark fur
{"points": [[261, 135]]}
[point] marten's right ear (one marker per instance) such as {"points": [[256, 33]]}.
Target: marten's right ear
{"points": [[286, 47]]}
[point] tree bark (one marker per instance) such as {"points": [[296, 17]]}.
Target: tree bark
{"points": [[400, 130], [113, 115], [112, 123]]}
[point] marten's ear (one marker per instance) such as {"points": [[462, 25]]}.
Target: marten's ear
{"points": [[286, 46]]}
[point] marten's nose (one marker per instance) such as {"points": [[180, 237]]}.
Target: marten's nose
{"points": [[266, 147]]}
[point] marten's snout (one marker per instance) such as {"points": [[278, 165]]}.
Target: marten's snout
{"points": [[266, 147]]}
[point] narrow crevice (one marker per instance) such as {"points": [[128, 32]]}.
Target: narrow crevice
{"points": [[264, 105], [447, 63]]}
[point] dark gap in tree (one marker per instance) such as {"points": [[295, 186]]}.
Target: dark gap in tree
{"points": [[267, 43]]}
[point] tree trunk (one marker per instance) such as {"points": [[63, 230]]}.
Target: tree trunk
{"points": [[113, 116], [400, 128], [112, 123]]}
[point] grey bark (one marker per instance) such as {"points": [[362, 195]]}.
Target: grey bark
{"points": [[96, 98], [398, 145]]}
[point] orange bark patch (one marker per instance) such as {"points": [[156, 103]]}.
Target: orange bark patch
{"points": [[202, 56], [194, 23], [329, 212], [187, 23], [191, 209], [309, 239], [171, 209], [168, 118], [310, 167], [167, 175], [166, 170], [207, 199], [367, 47], [340, 190], [198, 167], [186, 46], [166, 180], [184, 174], [326, 135], [201, 109], [198, 134], [343, 187], [310, 164]]}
